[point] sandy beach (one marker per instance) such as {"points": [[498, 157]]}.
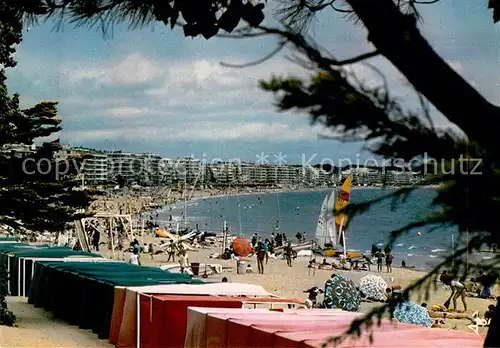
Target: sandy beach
{"points": [[36, 327], [292, 281]]}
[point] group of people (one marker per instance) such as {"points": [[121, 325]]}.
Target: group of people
{"points": [[173, 249], [377, 252], [262, 249], [459, 288]]}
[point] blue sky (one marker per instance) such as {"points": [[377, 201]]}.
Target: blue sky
{"points": [[152, 90]]}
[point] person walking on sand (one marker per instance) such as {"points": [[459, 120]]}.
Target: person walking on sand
{"points": [[267, 245], [261, 254], [388, 261], [183, 260], [171, 251], [151, 251], [379, 260], [288, 254]]}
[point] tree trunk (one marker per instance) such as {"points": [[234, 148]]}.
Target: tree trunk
{"points": [[397, 37]]}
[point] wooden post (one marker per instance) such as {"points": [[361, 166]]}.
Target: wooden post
{"points": [[111, 236]]}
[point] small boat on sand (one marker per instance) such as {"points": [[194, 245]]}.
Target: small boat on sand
{"points": [[295, 247]]}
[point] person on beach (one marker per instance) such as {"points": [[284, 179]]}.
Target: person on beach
{"points": [[457, 290], [288, 254], [171, 251], [151, 251], [95, 240], [183, 260], [136, 246], [380, 257], [267, 246], [135, 258], [388, 261], [299, 237], [490, 313], [393, 298], [254, 240], [313, 296], [486, 281], [261, 254]]}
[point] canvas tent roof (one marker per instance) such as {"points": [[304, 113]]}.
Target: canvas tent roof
{"points": [[6, 247], [221, 289], [20, 278], [291, 329]]}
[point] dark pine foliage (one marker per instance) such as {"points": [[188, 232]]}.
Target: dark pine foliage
{"points": [[36, 192]]}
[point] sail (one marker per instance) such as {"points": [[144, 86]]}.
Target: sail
{"points": [[342, 201], [321, 227], [331, 234]]}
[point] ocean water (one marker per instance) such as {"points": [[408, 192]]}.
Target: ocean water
{"points": [[294, 212]]}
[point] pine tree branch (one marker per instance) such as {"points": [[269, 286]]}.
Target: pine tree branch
{"points": [[397, 37]]}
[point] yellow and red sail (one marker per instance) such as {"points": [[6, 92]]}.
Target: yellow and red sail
{"points": [[343, 198]]}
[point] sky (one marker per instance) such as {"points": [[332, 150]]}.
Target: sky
{"points": [[152, 90]]}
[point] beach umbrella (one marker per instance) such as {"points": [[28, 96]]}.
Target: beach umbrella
{"points": [[340, 292], [411, 313], [373, 287], [242, 247]]}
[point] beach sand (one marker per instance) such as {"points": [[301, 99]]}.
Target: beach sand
{"points": [[38, 328]]}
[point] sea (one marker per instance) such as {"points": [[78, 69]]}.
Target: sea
{"points": [[292, 212]]}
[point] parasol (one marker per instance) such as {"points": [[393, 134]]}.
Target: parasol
{"points": [[340, 292], [241, 247], [373, 287], [411, 313]]}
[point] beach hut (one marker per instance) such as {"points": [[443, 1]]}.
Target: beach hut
{"points": [[236, 328], [211, 324], [135, 304], [82, 293], [21, 263]]}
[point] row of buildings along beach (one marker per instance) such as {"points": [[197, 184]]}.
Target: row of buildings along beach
{"points": [[104, 168]]}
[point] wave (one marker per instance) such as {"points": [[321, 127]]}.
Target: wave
{"points": [[409, 254], [400, 245], [433, 256], [412, 247], [437, 250]]}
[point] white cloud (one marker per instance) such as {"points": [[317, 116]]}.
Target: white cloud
{"points": [[133, 69], [204, 131], [127, 112], [138, 97]]}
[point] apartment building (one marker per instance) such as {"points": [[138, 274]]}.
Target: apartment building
{"points": [[189, 169], [225, 173], [125, 165], [150, 173], [94, 168]]}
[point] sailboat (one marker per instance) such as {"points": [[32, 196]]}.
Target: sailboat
{"points": [[330, 231], [325, 229]]}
